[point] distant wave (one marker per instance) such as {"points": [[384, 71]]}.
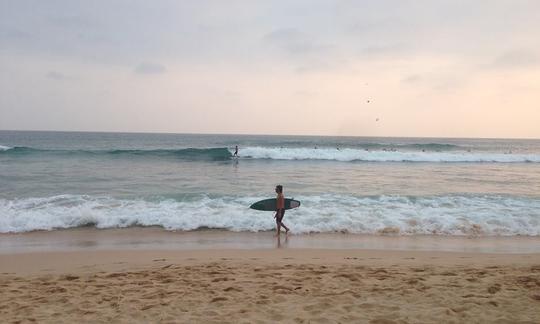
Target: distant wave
{"points": [[437, 147], [432, 146], [288, 153], [455, 215], [348, 155], [213, 154], [369, 145]]}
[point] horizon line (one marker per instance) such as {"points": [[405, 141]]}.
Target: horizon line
{"points": [[246, 134]]}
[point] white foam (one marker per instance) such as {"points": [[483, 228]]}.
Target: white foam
{"points": [[5, 148], [348, 154], [446, 215]]}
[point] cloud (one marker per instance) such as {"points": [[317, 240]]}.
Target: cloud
{"points": [[57, 76], [284, 34], [307, 54], [516, 59], [294, 41], [412, 79], [395, 50], [150, 68], [436, 81]]}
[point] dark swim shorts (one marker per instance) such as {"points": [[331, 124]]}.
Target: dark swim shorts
{"points": [[280, 214]]}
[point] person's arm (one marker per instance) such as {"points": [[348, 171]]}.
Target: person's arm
{"points": [[277, 205]]}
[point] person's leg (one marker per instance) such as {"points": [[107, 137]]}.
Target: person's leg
{"points": [[278, 226], [281, 221], [279, 217]]}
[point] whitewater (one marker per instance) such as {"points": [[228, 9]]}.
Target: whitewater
{"points": [[446, 215]]}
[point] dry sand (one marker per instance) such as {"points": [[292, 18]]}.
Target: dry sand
{"points": [[269, 285]]}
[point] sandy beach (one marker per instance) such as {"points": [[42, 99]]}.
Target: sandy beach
{"points": [[297, 285]]}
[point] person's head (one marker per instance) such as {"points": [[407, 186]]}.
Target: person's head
{"points": [[279, 189]]}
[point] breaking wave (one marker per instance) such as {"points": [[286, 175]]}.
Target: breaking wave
{"points": [[349, 155], [460, 215]]}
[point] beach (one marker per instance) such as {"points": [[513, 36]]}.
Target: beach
{"points": [[203, 283]]}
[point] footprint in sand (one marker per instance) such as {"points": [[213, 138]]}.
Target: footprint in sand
{"points": [[218, 299], [448, 273], [494, 289], [232, 289], [382, 320], [69, 277]]}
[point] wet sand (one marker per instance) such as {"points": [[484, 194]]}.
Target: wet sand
{"points": [[97, 283], [155, 238]]}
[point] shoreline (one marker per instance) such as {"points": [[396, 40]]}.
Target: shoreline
{"points": [[157, 238]]}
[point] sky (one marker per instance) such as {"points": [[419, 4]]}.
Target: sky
{"points": [[353, 68]]}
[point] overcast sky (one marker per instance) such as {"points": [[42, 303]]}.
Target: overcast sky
{"points": [[370, 68]]}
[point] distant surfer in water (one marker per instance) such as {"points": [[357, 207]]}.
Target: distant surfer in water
{"points": [[280, 210], [236, 151]]}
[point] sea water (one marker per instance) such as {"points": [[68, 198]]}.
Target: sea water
{"points": [[367, 185]]}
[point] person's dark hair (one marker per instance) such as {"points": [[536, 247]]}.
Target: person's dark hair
{"points": [[279, 188]]}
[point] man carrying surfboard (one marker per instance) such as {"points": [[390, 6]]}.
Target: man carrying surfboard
{"points": [[280, 210]]}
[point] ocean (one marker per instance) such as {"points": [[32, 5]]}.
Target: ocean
{"points": [[184, 182]]}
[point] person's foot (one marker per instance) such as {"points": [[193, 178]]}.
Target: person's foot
{"points": [[287, 231]]}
